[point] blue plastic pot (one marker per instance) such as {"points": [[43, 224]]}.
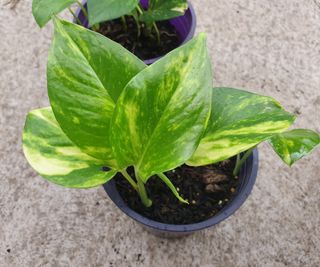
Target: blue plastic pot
{"points": [[185, 25], [247, 177]]}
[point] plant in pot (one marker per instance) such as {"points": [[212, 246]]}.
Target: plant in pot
{"points": [[147, 28], [183, 155]]}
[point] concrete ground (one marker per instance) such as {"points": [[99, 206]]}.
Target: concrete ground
{"points": [[271, 47]]}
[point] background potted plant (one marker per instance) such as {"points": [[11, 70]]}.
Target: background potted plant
{"points": [[149, 29], [155, 125]]}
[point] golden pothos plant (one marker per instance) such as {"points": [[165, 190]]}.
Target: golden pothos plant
{"points": [[110, 111]]}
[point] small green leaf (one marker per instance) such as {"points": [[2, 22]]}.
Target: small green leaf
{"points": [[239, 121], [163, 111], [102, 10], [55, 157], [293, 145], [42, 10], [164, 9], [86, 73]]}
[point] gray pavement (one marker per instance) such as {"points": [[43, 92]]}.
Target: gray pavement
{"points": [[270, 47]]}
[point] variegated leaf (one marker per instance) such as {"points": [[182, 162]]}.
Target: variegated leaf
{"points": [[42, 10], [55, 157], [86, 73], [102, 10], [164, 9], [163, 111], [293, 145], [239, 120]]}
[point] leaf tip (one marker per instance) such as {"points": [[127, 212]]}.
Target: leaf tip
{"points": [[202, 36], [185, 201]]}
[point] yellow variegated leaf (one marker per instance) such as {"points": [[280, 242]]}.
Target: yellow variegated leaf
{"points": [[102, 10], [55, 157], [293, 145], [163, 10], [163, 111], [42, 10], [86, 73], [239, 120]]}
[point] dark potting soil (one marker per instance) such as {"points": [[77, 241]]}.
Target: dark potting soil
{"points": [[144, 46], [208, 189]]}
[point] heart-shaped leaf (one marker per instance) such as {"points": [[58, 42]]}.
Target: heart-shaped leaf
{"points": [[239, 120], [86, 73], [55, 157], [164, 9], [42, 10], [293, 145], [163, 111], [102, 10]]}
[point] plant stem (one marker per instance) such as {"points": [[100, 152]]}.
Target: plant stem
{"points": [[96, 27], [140, 10], [75, 17], [85, 13], [138, 26], [142, 192], [124, 22], [154, 25], [129, 179], [240, 161], [157, 32], [136, 18]]}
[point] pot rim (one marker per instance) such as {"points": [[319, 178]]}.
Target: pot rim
{"points": [[249, 171]]}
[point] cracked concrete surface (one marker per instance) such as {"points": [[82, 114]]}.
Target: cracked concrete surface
{"points": [[271, 47]]}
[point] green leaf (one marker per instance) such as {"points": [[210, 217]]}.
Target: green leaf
{"points": [[42, 10], [102, 10], [293, 145], [86, 73], [164, 9], [55, 157], [163, 111], [239, 121]]}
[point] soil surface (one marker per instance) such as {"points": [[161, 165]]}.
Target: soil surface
{"points": [[208, 189], [145, 46]]}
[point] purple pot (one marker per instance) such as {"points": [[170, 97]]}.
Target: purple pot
{"points": [[247, 176], [185, 25]]}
